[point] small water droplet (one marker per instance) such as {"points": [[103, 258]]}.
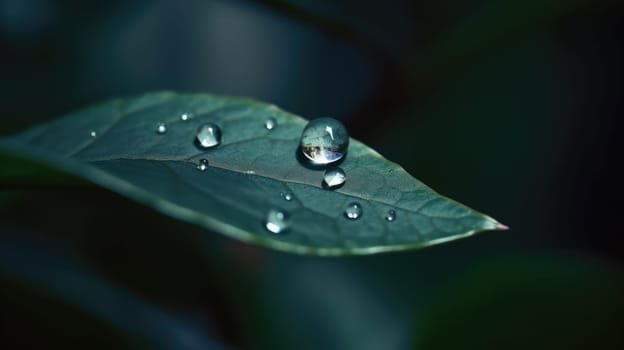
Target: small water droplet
{"points": [[277, 221], [185, 116], [287, 196], [209, 135], [93, 133], [202, 164], [270, 123], [353, 211], [161, 128], [334, 178], [391, 215], [324, 141]]}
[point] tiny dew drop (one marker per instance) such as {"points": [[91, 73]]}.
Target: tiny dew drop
{"points": [[202, 164], [391, 215], [208, 135], [334, 178], [93, 133], [277, 221], [270, 123], [185, 116], [287, 196], [161, 128], [324, 141], [353, 211]]}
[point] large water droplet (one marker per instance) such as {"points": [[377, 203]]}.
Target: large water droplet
{"points": [[276, 221], [287, 196], [391, 215], [334, 178], [202, 164], [324, 141], [161, 128], [270, 123], [353, 211], [208, 135]]}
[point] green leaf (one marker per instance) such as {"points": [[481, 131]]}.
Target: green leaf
{"points": [[247, 176]]}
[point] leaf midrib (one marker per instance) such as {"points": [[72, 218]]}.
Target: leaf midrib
{"points": [[290, 181]]}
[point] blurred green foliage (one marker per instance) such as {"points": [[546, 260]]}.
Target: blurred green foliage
{"points": [[528, 302]]}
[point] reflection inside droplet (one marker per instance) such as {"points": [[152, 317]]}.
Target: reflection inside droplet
{"points": [[324, 141]]}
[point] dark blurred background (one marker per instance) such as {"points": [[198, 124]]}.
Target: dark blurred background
{"points": [[512, 107]]}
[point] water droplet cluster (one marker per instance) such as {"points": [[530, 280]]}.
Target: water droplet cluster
{"points": [[323, 142]]}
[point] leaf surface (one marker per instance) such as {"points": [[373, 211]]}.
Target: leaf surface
{"points": [[248, 175]]}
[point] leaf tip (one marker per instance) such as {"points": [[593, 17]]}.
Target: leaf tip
{"points": [[492, 224], [501, 227]]}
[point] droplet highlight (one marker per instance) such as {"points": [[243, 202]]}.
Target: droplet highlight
{"points": [[334, 178], [208, 135], [185, 116], [270, 123], [324, 141], [161, 128], [287, 196], [202, 165], [391, 215], [277, 221], [93, 133], [353, 211]]}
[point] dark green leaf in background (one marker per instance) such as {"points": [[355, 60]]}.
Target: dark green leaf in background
{"points": [[246, 177]]}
